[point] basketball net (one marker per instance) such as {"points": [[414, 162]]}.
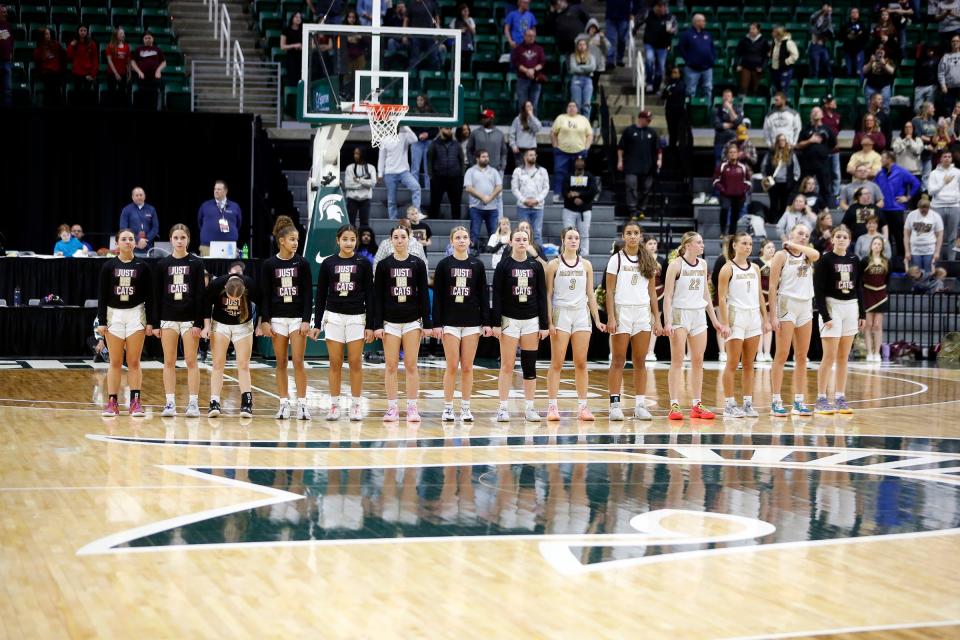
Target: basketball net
{"points": [[384, 119]]}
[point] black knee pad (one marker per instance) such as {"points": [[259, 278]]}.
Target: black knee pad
{"points": [[528, 363]]}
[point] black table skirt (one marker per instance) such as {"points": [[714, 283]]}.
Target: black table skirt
{"points": [[75, 279], [46, 332]]}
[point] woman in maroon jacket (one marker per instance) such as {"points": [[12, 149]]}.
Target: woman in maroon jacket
{"points": [[48, 57], [84, 56], [732, 182], [869, 128]]}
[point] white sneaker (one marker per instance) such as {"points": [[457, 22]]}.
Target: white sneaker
{"points": [[448, 415], [334, 412], [616, 413], [503, 415], [749, 411], [193, 409], [732, 411], [651, 357], [465, 415], [356, 414], [283, 413], [531, 415], [641, 413], [169, 410], [303, 413]]}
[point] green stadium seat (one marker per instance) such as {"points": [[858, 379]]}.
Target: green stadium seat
{"points": [[846, 88], [163, 37], [154, 18], [175, 73], [699, 112], [34, 13], [21, 94], [95, 15], [68, 15], [101, 34], [780, 14], [261, 6], [755, 108], [754, 13], [270, 20], [21, 72], [177, 98], [125, 4], [272, 37], [23, 52], [903, 87], [124, 16], [814, 88], [172, 54]]}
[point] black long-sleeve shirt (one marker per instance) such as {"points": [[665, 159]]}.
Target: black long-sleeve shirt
{"points": [[178, 290], [837, 277], [288, 289], [519, 291], [586, 186], [220, 308], [401, 292], [124, 285], [345, 285], [460, 297]]}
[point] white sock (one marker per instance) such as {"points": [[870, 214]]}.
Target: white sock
{"points": [[777, 398], [356, 400], [503, 404], [464, 405], [411, 403], [581, 404], [821, 396], [334, 401], [391, 404], [838, 394], [730, 401], [674, 401], [798, 397], [171, 398], [193, 399], [301, 402], [552, 402], [215, 399], [448, 405], [747, 399], [640, 401], [695, 402], [529, 404]]}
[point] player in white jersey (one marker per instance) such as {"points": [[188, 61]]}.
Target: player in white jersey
{"points": [[570, 305], [685, 298], [791, 304], [632, 317], [742, 309]]}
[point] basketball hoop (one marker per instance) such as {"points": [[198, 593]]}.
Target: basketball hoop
{"points": [[384, 119]]}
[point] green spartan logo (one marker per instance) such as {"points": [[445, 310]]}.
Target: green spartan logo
{"points": [[329, 214]]}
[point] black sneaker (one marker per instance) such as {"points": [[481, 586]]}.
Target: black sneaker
{"points": [[214, 411], [246, 409]]}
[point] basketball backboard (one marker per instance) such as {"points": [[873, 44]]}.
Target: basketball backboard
{"points": [[344, 66]]}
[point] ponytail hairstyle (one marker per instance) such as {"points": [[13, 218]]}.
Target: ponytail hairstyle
{"points": [[283, 227], [646, 263], [563, 236], [235, 287], [730, 251], [685, 240], [878, 258], [179, 227], [123, 231], [460, 227], [726, 246]]}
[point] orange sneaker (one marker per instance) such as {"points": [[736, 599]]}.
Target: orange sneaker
{"points": [[675, 413], [585, 414], [552, 413], [701, 412]]}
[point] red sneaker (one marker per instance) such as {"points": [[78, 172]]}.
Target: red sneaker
{"points": [[701, 412], [136, 408], [675, 413], [111, 410]]}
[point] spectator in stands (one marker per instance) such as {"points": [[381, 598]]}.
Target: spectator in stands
{"points": [[394, 169], [885, 32], [822, 237], [325, 11], [530, 185], [219, 219], [862, 247], [878, 74], [639, 158], [674, 96], [419, 229], [815, 145], [468, 34], [699, 53], [578, 196], [488, 138], [523, 132], [118, 65], [84, 56], [732, 183], [368, 244], [746, 152], [751, 56], [948, 17], [898, 186], [876, 108], [463, 137], [617, 20], [925, 283], [810, 190], [908, 149], [528, 59], [581, 66], [727, 116], [925, 127], [397, 17], [861, 179], [140, 217], [425, 136], [943, 139], [518, 22], [925, 75], [797, 213], [923, 237], [948, 75], [484, 184], [571, 21], [599, 46], [658, 33], [855, 36], [943, 185], [863, 209], [781, 171], [571, 136], [831, 118], [66, 244], [865, 156], [781, 120], [497, 241], [413, 245], [148, 64], [77, 232], [359, 178], [48, 58], [783, 58], [365, 11], [821, 38], [869, 129], [291, 41], [6, 59], [446, 167]]}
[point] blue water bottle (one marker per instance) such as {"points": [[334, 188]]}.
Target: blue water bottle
{"points": [[16, 297]]}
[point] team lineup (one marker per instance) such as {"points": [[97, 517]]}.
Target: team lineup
{"points": [[530, 300]]}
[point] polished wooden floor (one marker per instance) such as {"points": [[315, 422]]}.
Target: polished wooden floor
{"points": [[843, 527]]}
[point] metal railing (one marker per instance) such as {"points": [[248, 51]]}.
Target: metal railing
{"points": [[921, 319], [635, 58], [237, 71], [219, 17]]}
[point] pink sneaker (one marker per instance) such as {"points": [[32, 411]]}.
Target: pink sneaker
{"points": [[552, 413], [136, 408], [412, 414], [112, 410], [585, 414], [392, 415]]}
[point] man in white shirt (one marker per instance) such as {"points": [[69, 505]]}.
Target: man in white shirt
{"points": [[943, 185], [922, 237], [485, 186], [530, 185], [393, 166], [781, 119]]}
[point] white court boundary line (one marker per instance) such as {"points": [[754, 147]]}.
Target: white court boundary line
{"points": [[838, 630]]}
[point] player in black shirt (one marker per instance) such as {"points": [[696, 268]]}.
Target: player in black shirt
{"points": [[401, 305], [461, 313], [838, 289], [344, 312], [228, 317], [285, 312], [519, 317], [178, 313], [125, 303]]}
